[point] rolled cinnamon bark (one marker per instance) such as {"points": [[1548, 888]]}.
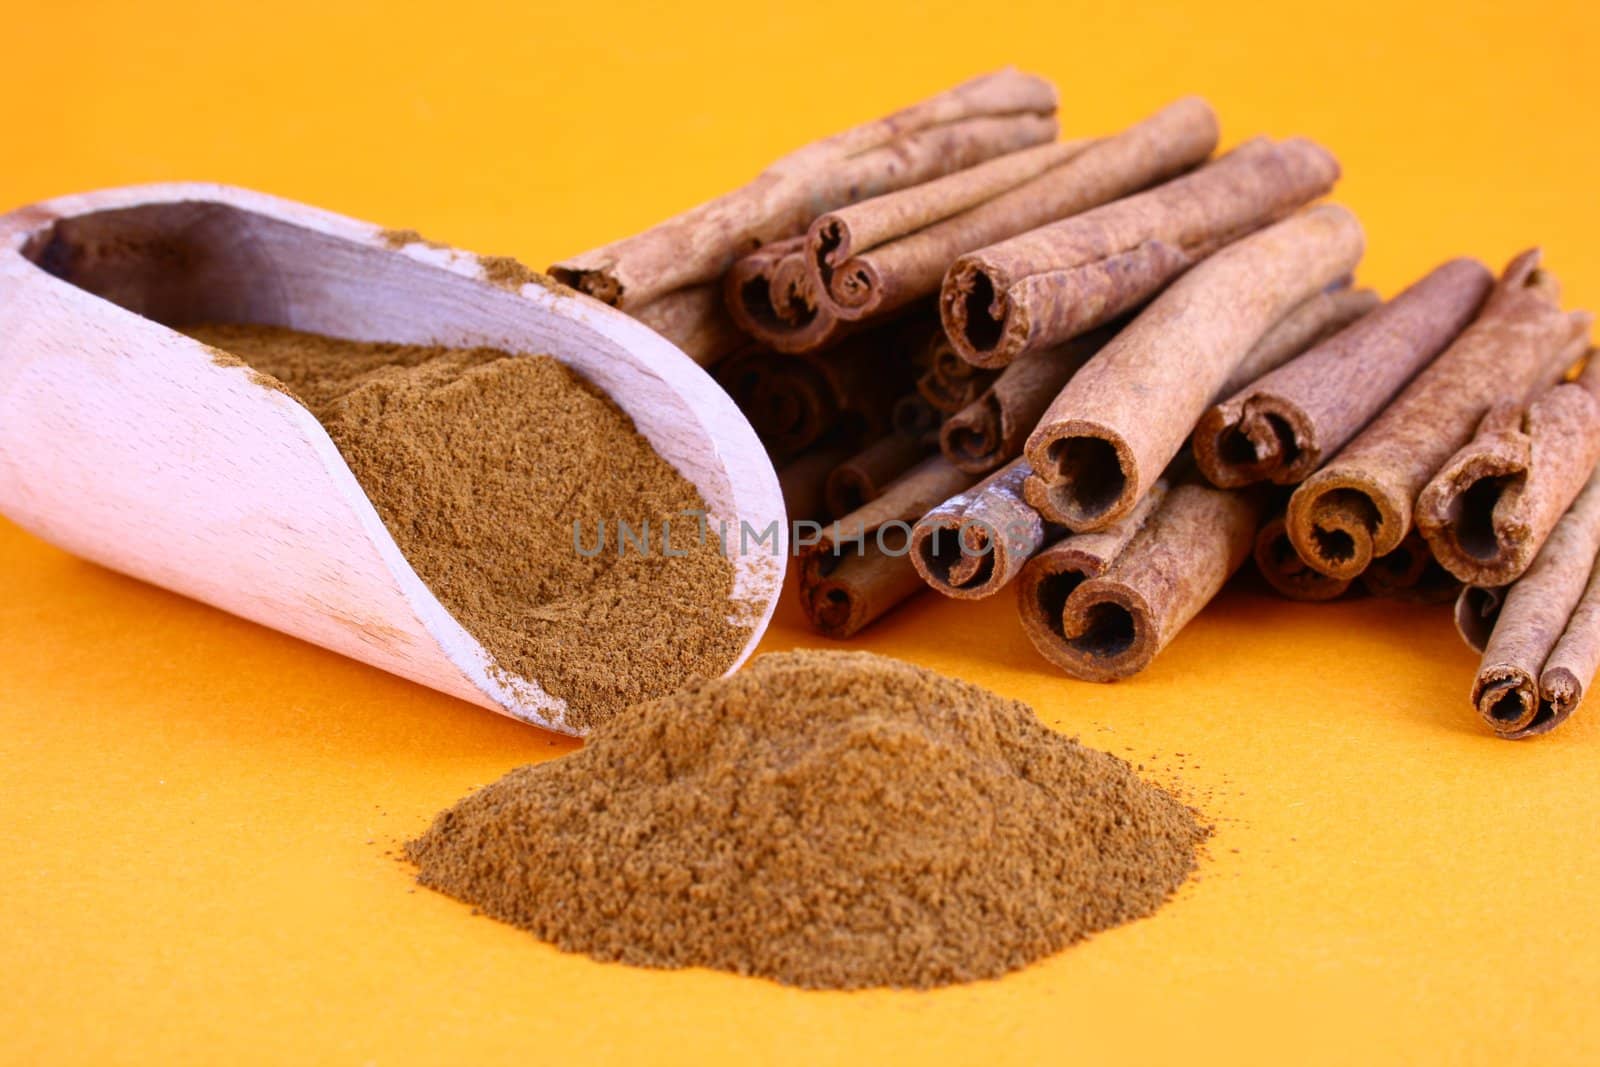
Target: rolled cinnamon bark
{"points": [[1490, 508], [947, 395], [1477, 608], [1112, 626], [742, 373], [695, 320], [880, 254], [803, 480], [1536, 613], [1283, 426], [1053, 283], [1286, 572], [973, 544], [796, 399], [1410, 573], [774, 301], [993, 428], [792, 404], [859, 479], [859, 566], [1122, 418], [1050, 577], [975, 121], [1360, 505], [951, 383], [1571, 666], [1310, 322]]}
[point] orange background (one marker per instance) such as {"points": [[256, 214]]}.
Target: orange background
{"points": [[197, 810]]}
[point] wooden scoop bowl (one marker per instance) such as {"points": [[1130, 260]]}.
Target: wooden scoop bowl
{"points": [[128, 443]]}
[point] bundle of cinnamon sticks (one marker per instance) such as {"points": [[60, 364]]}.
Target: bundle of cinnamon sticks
{"points": [[1107, 371]]}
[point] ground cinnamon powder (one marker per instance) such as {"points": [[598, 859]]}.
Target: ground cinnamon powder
{"points": [[479, 463], [826, 819]]}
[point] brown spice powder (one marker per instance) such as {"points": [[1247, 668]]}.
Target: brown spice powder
{"points": [[513, 274], [396, 239], [479, 463], [827, 819]]}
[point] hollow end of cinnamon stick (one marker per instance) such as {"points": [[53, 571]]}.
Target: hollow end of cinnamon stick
{"points": [[1043, 588], [1467, 523], [984, 326], [1106, 633], [850, 284], [958, 557], [1507, 698], [833, 609], [1086, 476], [951, 394], [1283, 569], [1560, 693], [1259, 439], [971, 438], [842, 594], [772, 299], [1341, 523], [790, 406], [596, 282], [1411, 573]]}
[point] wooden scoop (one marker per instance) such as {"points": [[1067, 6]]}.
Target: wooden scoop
{"points": [[128, 443]]}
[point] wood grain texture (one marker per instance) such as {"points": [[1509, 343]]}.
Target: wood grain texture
{"points": [[134, 446]]}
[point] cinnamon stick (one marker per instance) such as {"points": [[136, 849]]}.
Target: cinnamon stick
{"points": [[1311, 321], [1281, 427], [951, 383], [1477, 608], [1410, 573], [881, 254], [803, 480], [1490, 508], [858, 479], [1572, 664], [859, 566], [993, 428], [773, 300], [1359, 506], [792, 404], [975, 121], [694, 320], [1051, 576], [1286, 572], [973, 544], [741, 375], [1112, 626], [1122, 418], [793, 400], [1053, 283], [1523, 687]]}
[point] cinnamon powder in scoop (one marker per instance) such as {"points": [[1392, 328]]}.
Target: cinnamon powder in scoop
{"points": [[827, 819], [479, 463]]}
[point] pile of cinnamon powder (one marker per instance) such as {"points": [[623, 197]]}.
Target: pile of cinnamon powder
{"points": [[479, 463], [826, 819]]}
